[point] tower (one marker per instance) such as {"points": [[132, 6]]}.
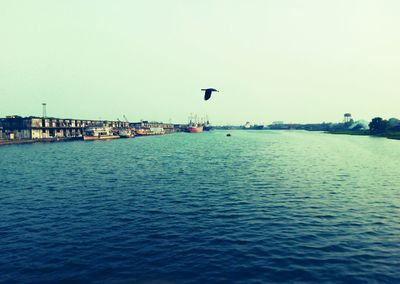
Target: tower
{"points": [[347, 117], [44, 114]]}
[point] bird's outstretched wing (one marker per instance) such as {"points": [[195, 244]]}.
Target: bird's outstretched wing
{"points": [[207, 95]]}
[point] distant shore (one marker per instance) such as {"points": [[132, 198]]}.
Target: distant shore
{"points": [[389, 135]]}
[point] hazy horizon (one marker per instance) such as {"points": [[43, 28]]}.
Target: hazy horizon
{"points": [[293, 61]]}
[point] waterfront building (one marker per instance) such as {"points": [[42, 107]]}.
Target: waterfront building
{"points": [[32, 128]]}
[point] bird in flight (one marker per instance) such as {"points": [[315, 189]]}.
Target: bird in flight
{"points": [[208, 93]]}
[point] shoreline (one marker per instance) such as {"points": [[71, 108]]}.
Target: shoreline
{"points": [[33, 141], [392, 136]]}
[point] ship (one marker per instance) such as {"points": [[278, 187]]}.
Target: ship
{"points": [[98, 133], [150, 131], [258, 127], [195, 128], [207, 126], [248, 126], [125, 133], [194, 125]]}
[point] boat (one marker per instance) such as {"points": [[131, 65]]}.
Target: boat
{"points": [[195, 128], [248, 126], [98, 133], [150, 131], [207, 126], [125, 133]]}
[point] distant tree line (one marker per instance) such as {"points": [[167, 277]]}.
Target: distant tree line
{"points": [[380, 127], [376, 127]]}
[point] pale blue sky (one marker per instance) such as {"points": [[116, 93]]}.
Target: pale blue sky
{"points": [[296, 61]]}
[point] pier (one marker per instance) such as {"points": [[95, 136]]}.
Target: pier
{"points": [[17, 129]]}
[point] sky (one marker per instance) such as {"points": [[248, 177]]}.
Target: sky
{"points": [[288, 60]]}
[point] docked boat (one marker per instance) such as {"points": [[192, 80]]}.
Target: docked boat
{"points": [[248, 126], [258, 127], [195, 128], [207, 126], [125, 133], [194, 125], [150, 131], [98, 133]]}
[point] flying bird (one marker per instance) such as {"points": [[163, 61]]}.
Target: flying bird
{"points": [[208, 93]]}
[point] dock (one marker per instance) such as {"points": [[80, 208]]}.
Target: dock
{"points": [[22, 130]]}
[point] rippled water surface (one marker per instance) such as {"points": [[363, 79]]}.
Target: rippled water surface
{"points": [[260, 206]]}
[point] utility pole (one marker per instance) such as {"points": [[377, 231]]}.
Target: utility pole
{"points": [[44, 114]]}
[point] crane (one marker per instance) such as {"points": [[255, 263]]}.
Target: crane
{"points": [[126, 131], [126, 120]]}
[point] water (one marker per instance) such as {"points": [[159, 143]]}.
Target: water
{"points": [[260, 206]]}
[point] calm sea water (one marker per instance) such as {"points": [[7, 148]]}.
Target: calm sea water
{"points": [[257, 207]]}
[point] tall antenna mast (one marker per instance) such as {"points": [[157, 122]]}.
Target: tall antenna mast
{"points": [[44, 114]]}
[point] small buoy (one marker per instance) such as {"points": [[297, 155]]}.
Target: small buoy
{"points": [[228, 134]]}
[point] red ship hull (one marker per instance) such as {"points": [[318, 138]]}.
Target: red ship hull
{"points": [[197, 129]]}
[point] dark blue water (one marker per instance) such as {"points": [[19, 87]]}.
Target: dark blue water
{"points": [[256, 207]]}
